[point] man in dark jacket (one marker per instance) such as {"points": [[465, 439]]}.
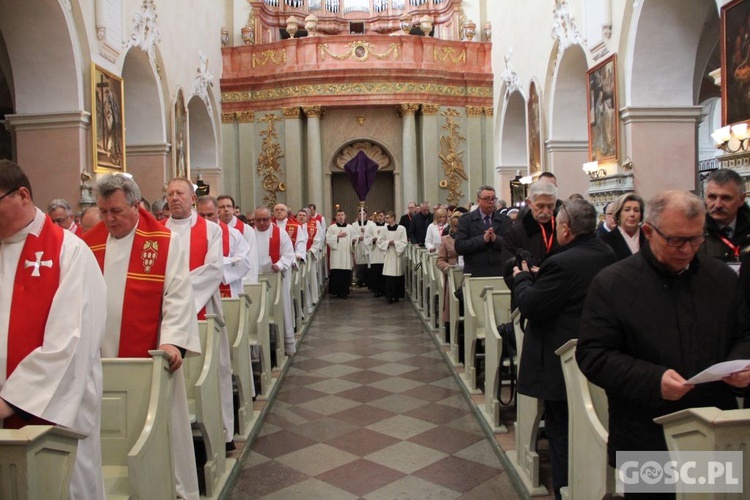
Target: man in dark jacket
{"points": [[657, 318], [417, 230], [552, 302], [479, 236], [728, 217]]}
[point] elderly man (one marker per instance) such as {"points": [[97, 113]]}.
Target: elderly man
{"points": [[89, 219], [411, 210], [341, 238], [226, 209], [420, 221], [552, 300], [52, 315], [298, 235], [315, 242], [276, 255], [153, 313], [728, 217], [203, 241], [479, 236], [61, 214], [157, 209], [655, 319]]}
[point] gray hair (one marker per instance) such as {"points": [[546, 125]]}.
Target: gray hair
{"points": [[109, 183], [207, 198], [580, 215], [60, 203], [484, 188], [724, 176], [158, 205], [542, 189], [690, 205]]}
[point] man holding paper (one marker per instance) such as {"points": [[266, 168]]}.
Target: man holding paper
{"points": [[655, 319]]}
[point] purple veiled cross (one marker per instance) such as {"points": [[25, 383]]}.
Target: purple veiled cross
{"points": [[361, 171]]}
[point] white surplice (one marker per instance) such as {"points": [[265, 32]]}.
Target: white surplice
{"points": [[286, 259], [394, 263], [205, 282], [376, 254], [342, 248], [179, 327], [61, 382], [238, 263], [248, 233]]}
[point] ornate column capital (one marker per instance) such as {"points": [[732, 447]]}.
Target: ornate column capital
{"points": [[430, 109], [291, 113], [407, 109], [228, 117], [474, 111], [489, 111], [313, 111], [245, 116]]}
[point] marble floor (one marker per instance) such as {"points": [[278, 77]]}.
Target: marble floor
{"points": [[369, 409]]}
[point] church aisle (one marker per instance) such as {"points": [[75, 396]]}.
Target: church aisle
{"points": [[369, 409]]}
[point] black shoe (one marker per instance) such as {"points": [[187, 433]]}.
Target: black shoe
{"points": [[390, 300], [231, 446]]}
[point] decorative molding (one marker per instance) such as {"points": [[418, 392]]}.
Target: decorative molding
{"points": [[228, 117], [49, 121], [275, 56], [359, 50], [347, 89], [245, 116], [691, 114], [430, 109], [564, 29], [474, 111], [489, 111], [373, 152], [144, 34], [203, 81], [448, 54], [606, 189], [563, 146], [161, 149], [313, 111], [451, 156], [406, 109], [510, 77], [292, 113], [269, 167]]}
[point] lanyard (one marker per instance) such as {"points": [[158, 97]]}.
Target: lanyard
{"points": [[548, 241], [734, 248]]}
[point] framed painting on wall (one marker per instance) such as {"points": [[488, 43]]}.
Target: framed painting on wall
{"points": [[180, 142], [107, 120], [601, 83], [534, 131], [735, 62]]}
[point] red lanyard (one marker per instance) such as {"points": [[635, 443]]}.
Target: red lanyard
{"points": [[734, 248], [548, 241]]}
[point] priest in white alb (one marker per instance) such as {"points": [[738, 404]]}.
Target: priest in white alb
{"points": [[226, 209], [149, 302], [52, 314]]}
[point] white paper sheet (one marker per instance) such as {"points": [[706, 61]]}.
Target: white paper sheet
{"points": [[719, 371]]}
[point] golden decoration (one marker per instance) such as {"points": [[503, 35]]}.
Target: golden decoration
{"points": [[407, 109], [430, 109], [290, 113], [444, 54], [359, 50], [268, 161], [245, 116], [313, 111], [452, 156], [474, 111], [361, 120], [275, 56], [489, 111], [228, 117]]}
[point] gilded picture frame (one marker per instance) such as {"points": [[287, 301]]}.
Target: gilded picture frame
{"points": [[180, 139], [735, 62], [107, 120], [601, 86], [534, 131]]}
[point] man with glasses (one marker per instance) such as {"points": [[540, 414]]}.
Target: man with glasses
{"points": [[609, 223], [656, 319], [479, 237], [61, 214]]}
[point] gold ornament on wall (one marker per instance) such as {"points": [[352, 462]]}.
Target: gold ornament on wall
{"points": [[275, 56], [451, 156], [359, 50], [268, 161]]}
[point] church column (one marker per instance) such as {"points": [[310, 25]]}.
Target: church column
{"points": [[430, 154], [293, 155], [488, 146], [244, 151], [409, 156], [314, 156], [474, 163]]}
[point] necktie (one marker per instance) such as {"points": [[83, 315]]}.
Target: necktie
{"points": [[487, 222]]}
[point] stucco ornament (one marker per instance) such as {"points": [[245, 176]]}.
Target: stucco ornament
{"points": [[144, 34], [564, 29], [510, 77], [203, 81]]}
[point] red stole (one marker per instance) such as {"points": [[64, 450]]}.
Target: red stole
{"points": [[312, 230], [274, 244], [291, 229], [144, 286], [239, 226], [198, 250], [225, 289], [34, 288]]}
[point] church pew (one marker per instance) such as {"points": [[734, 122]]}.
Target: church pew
{"points": [[204, 400], [589, 475], [474, 322], [259, 330], [709, 429], [455, 319], [427, 289], [297, 272], [437, 277], [237, 319], [409, 275], [496, 310], [275, 316], [37, 461], [136, 441], [417, 276], [529, 411]]}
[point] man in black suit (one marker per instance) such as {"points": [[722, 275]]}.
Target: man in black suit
{"points": [[479, 236], [418, 228], [408, 216], [552, 300]]}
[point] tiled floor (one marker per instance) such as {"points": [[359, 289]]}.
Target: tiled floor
{"points": [[369, 409]]}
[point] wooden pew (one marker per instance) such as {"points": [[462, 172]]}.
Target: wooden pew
{"points": [[474, 322], [297, 284], [709, 429], [455, 283], [204, 400], [437, 277], [496, 310], [136, 442], [417, 276], [237, 319], [409, 275], [259, 330], [37, 461], [275, 316], [529, 411], [427, 289], [589, 475]]}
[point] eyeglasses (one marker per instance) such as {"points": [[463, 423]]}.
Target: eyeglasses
{"points": [[679, 241], [489, 199], [61, 219], [8, 193]]}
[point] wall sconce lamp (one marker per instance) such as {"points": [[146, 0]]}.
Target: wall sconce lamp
{"points": [[732, 138], [593, 170]]}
